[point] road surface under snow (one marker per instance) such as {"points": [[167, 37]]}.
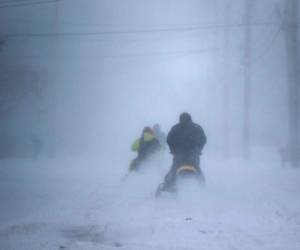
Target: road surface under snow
{"points": [[83, 203]]}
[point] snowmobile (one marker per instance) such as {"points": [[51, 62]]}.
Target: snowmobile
{"points": [[185, 175]]}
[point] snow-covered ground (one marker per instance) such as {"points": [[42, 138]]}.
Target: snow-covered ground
{"points": [[84, 204]]}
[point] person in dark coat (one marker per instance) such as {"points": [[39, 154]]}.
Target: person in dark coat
{"points": [[186, 141], [145, 146]]}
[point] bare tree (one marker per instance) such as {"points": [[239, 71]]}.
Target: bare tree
{"points": [[19, 84]]}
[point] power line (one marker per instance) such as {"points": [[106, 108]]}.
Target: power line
{"points": [[12, 5], [270, 43], [150, 54], [137, 31], [269, 46], [14, 1]]}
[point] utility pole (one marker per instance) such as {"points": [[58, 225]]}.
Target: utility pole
{"points": [[247, 80], [291, 34], [226, 83], [221, 61], [53, 85]]}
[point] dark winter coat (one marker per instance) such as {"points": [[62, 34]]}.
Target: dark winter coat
{"points": [[186, 138], [148, 148]]}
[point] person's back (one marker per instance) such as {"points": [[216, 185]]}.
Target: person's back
{"points": [[148, 145], [145, 146], [186, 137], [186, 141]]}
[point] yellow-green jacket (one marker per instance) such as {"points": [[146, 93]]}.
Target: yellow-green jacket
{"points": [[147, 137]]}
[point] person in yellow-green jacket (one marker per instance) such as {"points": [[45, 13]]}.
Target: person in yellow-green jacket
{"points": [[145, 146]]}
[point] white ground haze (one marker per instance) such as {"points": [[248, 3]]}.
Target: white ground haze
{"points": [[72, 203]]}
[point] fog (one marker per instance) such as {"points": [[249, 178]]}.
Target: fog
{"points": [[106, 69], [81, 79]]}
